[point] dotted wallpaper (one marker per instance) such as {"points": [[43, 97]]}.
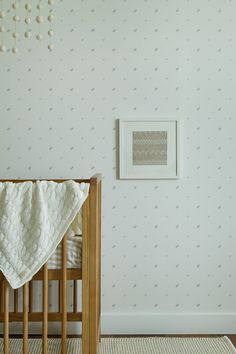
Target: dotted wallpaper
{"points": [[167, 245]]}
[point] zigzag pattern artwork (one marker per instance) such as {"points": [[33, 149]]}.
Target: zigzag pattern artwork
{"points": [[150, 148]]}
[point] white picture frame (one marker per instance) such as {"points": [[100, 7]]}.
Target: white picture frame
{"points": [[148, 149]]}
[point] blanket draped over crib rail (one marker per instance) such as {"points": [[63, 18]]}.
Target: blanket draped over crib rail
{"points": [[34, 216]]}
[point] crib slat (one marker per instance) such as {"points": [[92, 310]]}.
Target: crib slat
{"points": [[75, 296], [64, 299], [16, 300], [25, 317], [45, 309], [6, 317]]}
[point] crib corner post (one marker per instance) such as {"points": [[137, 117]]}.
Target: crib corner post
{"points": [[99, 256], [95, 263], [91, 268], [6, 317], [85, 279]]}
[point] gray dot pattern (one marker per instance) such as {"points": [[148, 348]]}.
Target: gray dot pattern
{"points": [[167, 246]]}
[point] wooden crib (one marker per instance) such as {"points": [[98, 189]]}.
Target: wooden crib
{"points": [[89, 274]]}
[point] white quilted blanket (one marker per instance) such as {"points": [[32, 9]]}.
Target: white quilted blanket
{"points": [[33, 219]]}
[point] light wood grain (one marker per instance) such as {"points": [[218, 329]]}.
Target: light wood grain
{"points": [[6, 317], [99, 256], [55, 274], [64, 296], [95, 179], [45, 309], [38, 317], [25, 317], [16, 300], [85, 277], [94, 261]]}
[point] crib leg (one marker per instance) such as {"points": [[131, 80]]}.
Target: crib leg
{"points": [[6, 317], [99, 255], [91, 272], [85, 282], [94, 269], [45, 309], [64, 299], [93, 318], [25, 317]]}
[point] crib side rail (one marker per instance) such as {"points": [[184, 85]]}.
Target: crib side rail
{"points": [[93, 180]]}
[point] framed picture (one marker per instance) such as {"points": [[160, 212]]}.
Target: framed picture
{"points": [[148, 149]]}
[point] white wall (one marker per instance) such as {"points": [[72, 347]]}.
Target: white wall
{"points": [[168, 246]]}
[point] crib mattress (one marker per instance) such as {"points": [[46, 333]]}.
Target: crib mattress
{"points": [[74, 254]]}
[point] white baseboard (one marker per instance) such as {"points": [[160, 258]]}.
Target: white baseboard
{"points": [[169, 323]]}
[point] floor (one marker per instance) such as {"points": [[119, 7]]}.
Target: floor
{"points": [[232, 337], [139, 345]]}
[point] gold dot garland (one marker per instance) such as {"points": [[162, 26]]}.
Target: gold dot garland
{"points": [[27, 33], [16, 19], [2, 29], [39, 20], [27, 21], [50, 20]]}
